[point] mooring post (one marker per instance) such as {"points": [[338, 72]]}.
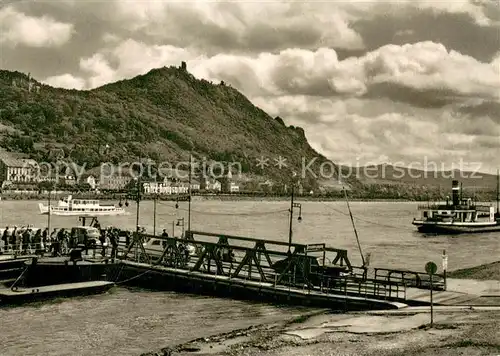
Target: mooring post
{"points": [[445, 267], [345, 296], [432, 306]]}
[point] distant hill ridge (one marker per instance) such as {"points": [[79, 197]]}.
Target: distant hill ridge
{"points": [[389, 174], [164, 115]]}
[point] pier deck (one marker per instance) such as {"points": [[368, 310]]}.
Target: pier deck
{"points": [[235, 266], [165, 278]]}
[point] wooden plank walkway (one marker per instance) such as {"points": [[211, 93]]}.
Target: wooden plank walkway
{"points": [[263, 287]]}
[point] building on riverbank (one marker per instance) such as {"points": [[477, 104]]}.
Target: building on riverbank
{"points": [[169, 186], [210, 185], [17, 170]]}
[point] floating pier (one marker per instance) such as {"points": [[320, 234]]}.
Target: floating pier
{"points": [[20, 295], [11, 266], [258, 269]]}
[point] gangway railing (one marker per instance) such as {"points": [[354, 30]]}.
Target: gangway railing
{"points": [[263, 263], [411, 278]]}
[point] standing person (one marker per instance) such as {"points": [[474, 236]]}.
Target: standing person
{"points": [[5, 238], [25, 241], [19, 240], [114, 244], [37, 242], [64, 241], [102, 239], [45, 239], [32, 247], [13, 237], [97, 225], [127, 238], [52, 239], [60, 239]]}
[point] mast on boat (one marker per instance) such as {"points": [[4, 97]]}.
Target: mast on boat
{"points": [[354, 227]]}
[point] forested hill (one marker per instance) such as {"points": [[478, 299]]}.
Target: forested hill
{"points": [[163, 115]]}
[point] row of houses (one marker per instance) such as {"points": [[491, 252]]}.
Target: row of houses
{"points": [[169, 186], [16, 171]]}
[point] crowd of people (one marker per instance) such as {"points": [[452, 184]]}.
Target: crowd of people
{"points": [[27, 240]]}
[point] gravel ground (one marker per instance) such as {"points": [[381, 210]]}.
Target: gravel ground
{"points": [[468, 331]]}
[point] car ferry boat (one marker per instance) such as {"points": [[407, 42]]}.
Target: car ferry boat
{"points": [[458, 216], [80, 207]]}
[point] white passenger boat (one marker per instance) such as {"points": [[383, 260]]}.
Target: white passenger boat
{"points": [[458, 216], [80, 207]]}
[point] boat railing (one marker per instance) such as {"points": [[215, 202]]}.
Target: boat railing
{"points": [[472, 206], [483, 208], [433, 207]]}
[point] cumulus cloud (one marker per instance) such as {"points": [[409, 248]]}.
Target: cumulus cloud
{"points": [[483, 12], [359, 94], [66, 81], [357, 140], [359, 131], [131, 58], [421, 72], [243, 26], [355, 109], [16, 28]]}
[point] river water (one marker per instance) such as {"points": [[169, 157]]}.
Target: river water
{"points": [[128, 322]]}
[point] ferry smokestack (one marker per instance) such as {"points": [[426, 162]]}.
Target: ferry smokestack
{"points": [[455, 189]]}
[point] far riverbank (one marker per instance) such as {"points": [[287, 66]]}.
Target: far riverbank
{"points": [[214, 197]]}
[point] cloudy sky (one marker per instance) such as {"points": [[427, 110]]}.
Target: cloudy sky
{"points": [[409, 81]]}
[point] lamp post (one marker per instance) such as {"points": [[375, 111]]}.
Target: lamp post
{"points": [[48, 212], [135, 195], [293, 205], [155, 197], [49, 186], [137, 200], [180, 222], [188, 197]]}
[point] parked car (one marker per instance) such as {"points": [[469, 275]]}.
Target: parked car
{"points": [[86, 235]]}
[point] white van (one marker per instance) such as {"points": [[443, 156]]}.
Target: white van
{"points": [[155, 247]]}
